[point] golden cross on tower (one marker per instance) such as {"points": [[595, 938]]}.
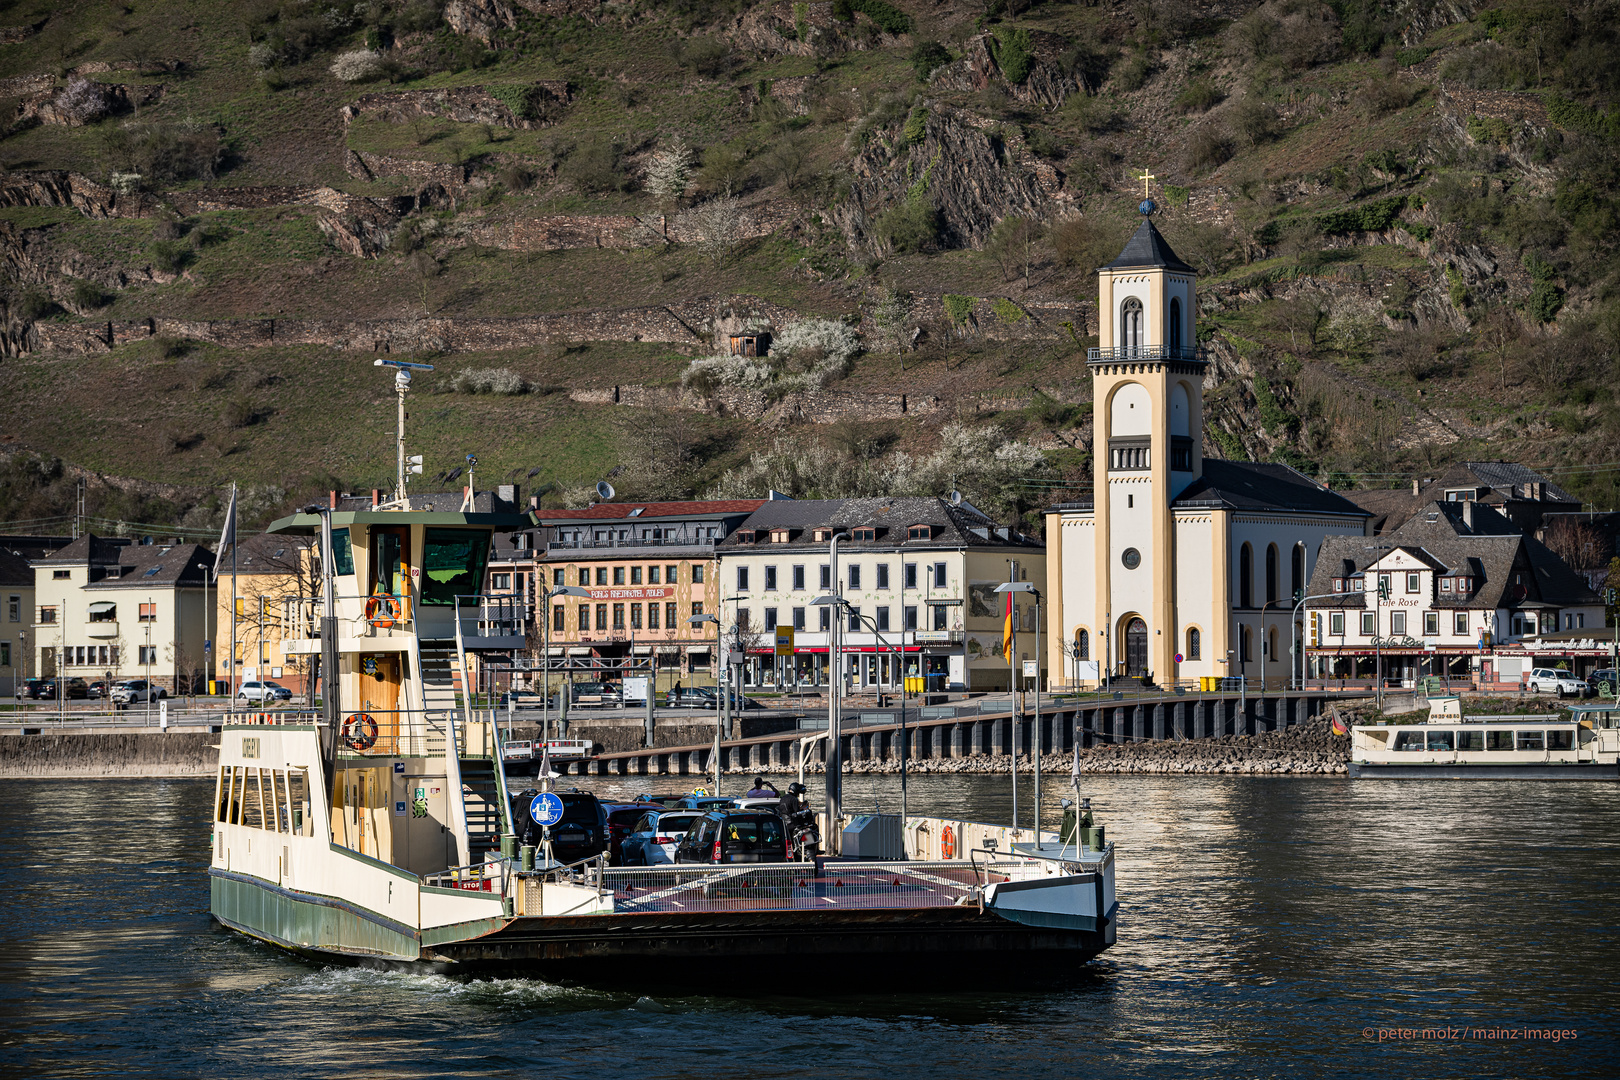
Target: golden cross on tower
{"points": [[1145, 177]]}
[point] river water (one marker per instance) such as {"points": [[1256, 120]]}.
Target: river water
{"points": [[1270, 927]]}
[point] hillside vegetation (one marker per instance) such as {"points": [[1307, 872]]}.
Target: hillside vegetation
{"points": [[213, 216]]}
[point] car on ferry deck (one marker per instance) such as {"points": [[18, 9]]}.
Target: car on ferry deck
{"points": [[734, 836], [706, 802], [621, 817], [652, 839], [580, 834], [661, 800]]}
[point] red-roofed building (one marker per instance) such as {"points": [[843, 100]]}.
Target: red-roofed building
{"points": [[649, 567]]}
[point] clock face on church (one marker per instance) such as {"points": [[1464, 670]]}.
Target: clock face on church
{"points": [[1131, 558]]}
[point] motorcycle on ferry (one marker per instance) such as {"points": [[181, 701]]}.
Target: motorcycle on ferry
{"points": [[804, 835]]}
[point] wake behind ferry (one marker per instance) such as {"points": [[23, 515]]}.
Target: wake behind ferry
{"points": [[382, 829]]}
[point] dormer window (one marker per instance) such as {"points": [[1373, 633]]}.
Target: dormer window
{"points": [[864, 533], [1445, 584], [1358, 585], [822, 535], [920, 532], [746, 536], [1338, 584], [781, 536]]}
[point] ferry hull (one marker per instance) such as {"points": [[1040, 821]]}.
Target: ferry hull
{"points": [[1526, 771], [889, 946]]}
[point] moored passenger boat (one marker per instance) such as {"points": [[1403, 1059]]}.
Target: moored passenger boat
{"points": [[382, 830], [1586, 746]]}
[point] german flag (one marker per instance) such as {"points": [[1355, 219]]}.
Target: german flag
{"points": [[1007, 631], [1338, 725]]}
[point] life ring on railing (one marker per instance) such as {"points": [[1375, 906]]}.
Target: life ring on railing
{"points": [[383, 611], [947, 844], [360, 731]]}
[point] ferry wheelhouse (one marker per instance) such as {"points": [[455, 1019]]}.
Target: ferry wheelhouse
{"points": [[381, 828]]}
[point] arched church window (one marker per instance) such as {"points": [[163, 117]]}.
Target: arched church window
{"points": [[1296, 575], [1246, 577], [1175, 326], [1082, 644], [1195, 644], [1130, 326], [1245, 643], [1271, 572]]}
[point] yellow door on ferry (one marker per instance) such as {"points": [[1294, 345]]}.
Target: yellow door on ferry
{"points": [[380, 677]]}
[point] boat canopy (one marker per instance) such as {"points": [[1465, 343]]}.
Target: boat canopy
{"points": [[302, 524]]}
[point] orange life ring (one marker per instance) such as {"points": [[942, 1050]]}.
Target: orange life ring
{"points": [[947, 843], [360, 731], [383, 611]]}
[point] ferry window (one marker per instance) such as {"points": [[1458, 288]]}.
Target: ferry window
{"points": [[298, 795], [224, 812], [283, 813], [1470, 740], [1530, 740], [452, 563], [1499, 740], [236, 796], [1409, 740], [252, 802], [342, 553], [1440, 740], [1560, 740]]}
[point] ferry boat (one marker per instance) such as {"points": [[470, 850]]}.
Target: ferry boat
{"points": [[1585, 746], [380, 830]]}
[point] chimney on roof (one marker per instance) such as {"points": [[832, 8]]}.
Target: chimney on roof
{"points": [[376, 497], [1414, 485], [1536, 490], [1468, 514], [333, 504]]}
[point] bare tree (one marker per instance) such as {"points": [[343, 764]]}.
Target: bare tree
{"points": [[715, 226], [669, 171], [1578, 543]]}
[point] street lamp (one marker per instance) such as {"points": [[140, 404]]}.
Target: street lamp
{"points": [[725, 686], [844, 606], [835, 659], [1026, 587], [545, 649]]}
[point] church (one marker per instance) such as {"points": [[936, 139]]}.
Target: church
{"points": [[1178, 566]]}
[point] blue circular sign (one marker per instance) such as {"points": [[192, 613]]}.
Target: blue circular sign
{"points": [[546, 809]]}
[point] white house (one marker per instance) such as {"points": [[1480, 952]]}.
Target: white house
{"points": [[1179, 565], [106, 608]]}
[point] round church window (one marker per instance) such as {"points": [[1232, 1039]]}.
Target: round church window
{"points": [[1131, 558]]}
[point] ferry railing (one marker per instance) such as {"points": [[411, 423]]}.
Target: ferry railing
{"points": [[796, 886]]}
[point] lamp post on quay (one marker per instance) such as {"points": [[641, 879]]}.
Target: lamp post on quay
{"points": [[845, 607], [725, 687], [545, 652], [1026, 587]]}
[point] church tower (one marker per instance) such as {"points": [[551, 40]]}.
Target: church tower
{"points": [[1147, 395]]}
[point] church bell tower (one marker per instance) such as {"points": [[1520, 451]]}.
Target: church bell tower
{"points": [[1147, 396]]}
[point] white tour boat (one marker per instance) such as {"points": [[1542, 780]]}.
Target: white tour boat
{"points": [[1586, 746]]}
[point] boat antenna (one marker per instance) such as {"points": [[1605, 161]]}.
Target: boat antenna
{"points": [[402, 383]]}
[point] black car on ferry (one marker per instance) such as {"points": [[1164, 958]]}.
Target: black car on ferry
{"points": [[734, 836]]}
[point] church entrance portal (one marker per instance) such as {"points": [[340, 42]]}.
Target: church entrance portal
{"points": [[1136, 648]]}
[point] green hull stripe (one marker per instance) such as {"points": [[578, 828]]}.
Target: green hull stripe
{"points": [[306, 920]]}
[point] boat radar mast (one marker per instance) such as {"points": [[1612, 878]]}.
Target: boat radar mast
{"points": [[402, 383]]}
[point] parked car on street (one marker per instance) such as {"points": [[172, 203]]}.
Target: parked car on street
{"points": [[99, 688], [33, 689], [137, 692], [71, 687], [1555, 681], [690, 697], [652, 840], [263, 692], [1604, 675], [734, 836], [594, 693]]}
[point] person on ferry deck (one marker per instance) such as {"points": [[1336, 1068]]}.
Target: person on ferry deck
{"points": [[762, 790]]}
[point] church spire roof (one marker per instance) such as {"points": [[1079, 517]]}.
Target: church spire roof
{"points": [[1148, 248]]}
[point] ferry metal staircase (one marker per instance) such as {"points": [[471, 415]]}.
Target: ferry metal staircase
{"points": [[480, 814]]}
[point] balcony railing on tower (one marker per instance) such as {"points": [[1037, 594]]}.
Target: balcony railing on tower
{"points": [[1190, 354]]}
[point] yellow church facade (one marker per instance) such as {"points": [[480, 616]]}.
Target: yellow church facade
{"points": [[1178, 566]]}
